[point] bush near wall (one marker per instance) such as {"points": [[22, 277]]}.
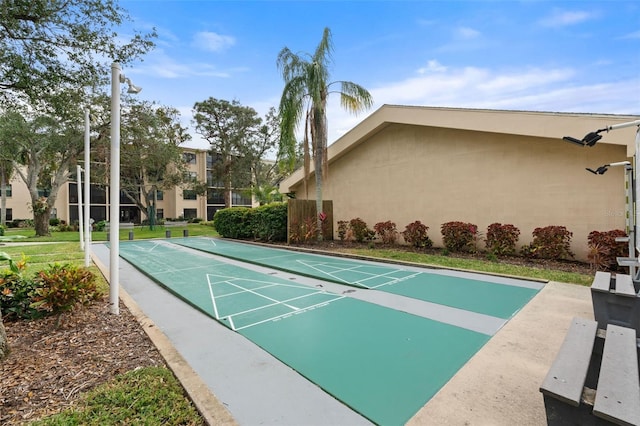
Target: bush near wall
{"points": [[459, 236], [386, 231], [502, 239], [415, 234], [550, 242], [604, 249]]}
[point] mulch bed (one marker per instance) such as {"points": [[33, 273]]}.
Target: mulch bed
{"points": [[49, 367]]}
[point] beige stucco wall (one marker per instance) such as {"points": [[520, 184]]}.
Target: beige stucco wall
{"points": [[406, 172]]}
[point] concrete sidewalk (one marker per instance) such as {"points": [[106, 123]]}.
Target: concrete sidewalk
{"points": [[498, 386]]}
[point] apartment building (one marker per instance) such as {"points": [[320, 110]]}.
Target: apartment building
{"points": [[172, 204]]}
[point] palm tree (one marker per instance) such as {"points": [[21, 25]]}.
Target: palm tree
{"points": [[307, 86]]}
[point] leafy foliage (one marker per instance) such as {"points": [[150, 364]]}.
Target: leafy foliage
{"points": [[232, 131], [386, 231], [62, 286], [550, 242], [603, 249], [307, 85], [459, 236], [233, 222], [501, 239], [17, 291], [304, 232], [415, 234], [360, 230], [269, 222], [343, 227]]}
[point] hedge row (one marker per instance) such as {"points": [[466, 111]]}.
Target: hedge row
{"points": [[264, 223]]}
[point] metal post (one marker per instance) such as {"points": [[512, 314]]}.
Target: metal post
{"points": [[114, 192], [87, 192], [79, 179]]}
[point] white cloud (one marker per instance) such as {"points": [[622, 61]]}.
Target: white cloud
{"points": [[212, 42], [467, 33], [633, 35], [527, 89], [562, 18], [432, 66], [159, 64]]}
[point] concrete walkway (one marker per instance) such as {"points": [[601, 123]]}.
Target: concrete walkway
{"points": [[498, 386]]}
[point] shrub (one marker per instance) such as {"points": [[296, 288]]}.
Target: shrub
{"points": [[501, 239], [343, 227], [100, 226], [360, 230], [603, 249], [16, 291], [1, 230], [459, 236], [550, 242], [62, 287], [387, 231], [269, 222], [54, 221], [415, 234], [304, 232], [233, 222]]}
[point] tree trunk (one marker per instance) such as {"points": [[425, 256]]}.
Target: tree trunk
{"points": [[3, 199], [41, 222], [4, 345], [318, 166]]}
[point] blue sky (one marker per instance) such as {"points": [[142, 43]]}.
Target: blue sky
{"points": [[571, 56]]}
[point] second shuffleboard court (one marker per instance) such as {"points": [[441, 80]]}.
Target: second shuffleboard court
{"points": [[498, 298], [383, 363]]}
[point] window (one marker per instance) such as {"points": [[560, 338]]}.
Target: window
{"points": [[189, 157], [215, 196], [98, 195], [159, 195], [239, 199], [73, 193], [7, 189], [9, 213], [188, 194], [45, 192], [190, 213], [160, 213]]}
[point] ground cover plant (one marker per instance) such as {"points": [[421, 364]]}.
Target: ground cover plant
{"points": [[91, 350]]}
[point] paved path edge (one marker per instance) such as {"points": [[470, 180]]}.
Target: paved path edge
{"points": [[212, 410]]}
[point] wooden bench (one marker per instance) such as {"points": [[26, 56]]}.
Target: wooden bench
{"points": [[122, 225], [594, 378], [171, 224], [615, 301]]}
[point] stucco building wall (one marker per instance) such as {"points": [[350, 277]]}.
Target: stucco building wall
{"points": [[406, 172]]}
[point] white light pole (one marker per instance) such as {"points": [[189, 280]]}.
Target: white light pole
{"points": [[114, 185], [87, 192], [79, 189]]}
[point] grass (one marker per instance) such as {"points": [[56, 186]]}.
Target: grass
{"points": [[148, 396], [476, 265]]}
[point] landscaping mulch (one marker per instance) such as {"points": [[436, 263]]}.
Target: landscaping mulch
{"points": [[48, 367]]}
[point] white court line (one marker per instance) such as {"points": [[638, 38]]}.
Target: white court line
{"points": [[141, 248], [242, 291], [213, 299], [303, 287], [276, 304], [327, 273], [308, 308], [388, 273]]}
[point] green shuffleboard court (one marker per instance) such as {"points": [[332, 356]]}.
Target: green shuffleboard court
{"points": [[484, 297], [383, 363]]}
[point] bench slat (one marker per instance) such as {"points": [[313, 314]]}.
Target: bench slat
{"points": [[624, 285], [601, 282], [567, 375], [618, 394]]}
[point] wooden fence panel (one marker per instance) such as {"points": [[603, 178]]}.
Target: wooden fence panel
{"points": [[301, 217]]}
